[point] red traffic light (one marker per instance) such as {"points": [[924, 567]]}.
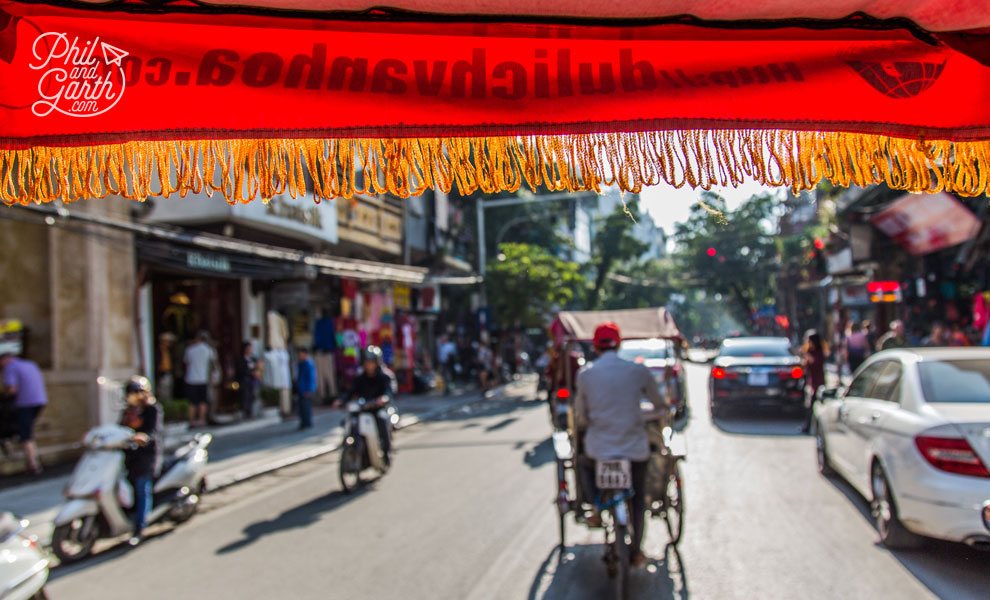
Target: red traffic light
{"points": [[819, 244], [712, 252]]}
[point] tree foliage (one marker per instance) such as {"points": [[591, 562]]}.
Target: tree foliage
{"points": [[529, 284], [639, 285], [734, 254], [614, 245]]}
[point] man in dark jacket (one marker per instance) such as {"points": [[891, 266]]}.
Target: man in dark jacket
{"points": [[374, 385], [143, 462]]}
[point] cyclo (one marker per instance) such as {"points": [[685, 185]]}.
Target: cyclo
{"points": [[664, 483]]}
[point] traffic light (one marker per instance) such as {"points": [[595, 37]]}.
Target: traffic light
{"points": [[712, 252]]}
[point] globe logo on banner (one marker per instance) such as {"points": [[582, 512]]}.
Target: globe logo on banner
{"points": [[78, 77], [899, 79]]}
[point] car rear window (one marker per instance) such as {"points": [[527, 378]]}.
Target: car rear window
{"points": [[756, 349], [639, 351], [965, 380]]}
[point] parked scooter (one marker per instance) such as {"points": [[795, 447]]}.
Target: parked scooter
{"points": [[362, 447], [24, 567], [100, 499]]}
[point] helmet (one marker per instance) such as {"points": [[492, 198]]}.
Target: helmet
{"points": [[607, 336], [137, 384], [372, 353]]}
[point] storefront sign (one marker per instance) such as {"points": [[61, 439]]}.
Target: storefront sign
{"points": [[295, 218], [290, 216], [840, 262], [855, 295], [208, 262], [11, 336], [402, 297], [926, 223]]}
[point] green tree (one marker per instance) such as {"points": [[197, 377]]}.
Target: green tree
{"points": [[734, 254], [639, 285], [526, 284], [614, 245]]}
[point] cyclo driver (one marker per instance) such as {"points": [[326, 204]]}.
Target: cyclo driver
{"points": [[374, 385], [607, 408]]}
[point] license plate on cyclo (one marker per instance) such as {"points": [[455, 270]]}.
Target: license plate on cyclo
{"points": [[613, 474]]}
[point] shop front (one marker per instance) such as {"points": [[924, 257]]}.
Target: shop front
{"points": [[188, 290]]}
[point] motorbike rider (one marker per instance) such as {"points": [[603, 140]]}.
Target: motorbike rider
{"points": [[607, 408], [144, 460], [374, 385]]}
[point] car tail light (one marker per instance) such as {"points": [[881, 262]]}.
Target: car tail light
{"points": [[718, 373], [953, 455], [797, 372], [563, 393]]}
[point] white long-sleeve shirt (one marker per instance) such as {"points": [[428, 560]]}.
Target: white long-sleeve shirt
{"points": [[607, 405]]}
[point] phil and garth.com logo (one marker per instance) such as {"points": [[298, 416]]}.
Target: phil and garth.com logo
{"points": [[77, 77]]}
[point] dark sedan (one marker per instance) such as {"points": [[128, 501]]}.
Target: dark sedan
{"points": [[757, 373]]}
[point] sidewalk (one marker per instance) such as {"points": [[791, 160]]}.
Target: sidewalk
{"points": [[238, 452]]}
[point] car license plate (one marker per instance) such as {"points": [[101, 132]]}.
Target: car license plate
{"points": [[613, 474], [759, 378]]}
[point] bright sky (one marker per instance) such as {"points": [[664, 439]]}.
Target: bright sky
{"points": [[668, 205]]}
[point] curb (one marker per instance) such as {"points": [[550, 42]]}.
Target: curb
{"points": [[251, 473]]}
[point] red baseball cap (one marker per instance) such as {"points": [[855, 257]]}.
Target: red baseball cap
{"points": [[607, 336]]}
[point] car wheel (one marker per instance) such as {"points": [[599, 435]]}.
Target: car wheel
{"points": [[821, 449], [892, 532]]}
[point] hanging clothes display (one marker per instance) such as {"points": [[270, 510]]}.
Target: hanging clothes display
{"points": [[278, 331], [324, 346]]}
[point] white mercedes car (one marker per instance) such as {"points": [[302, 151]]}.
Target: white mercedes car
{"points": [[912, 434]]}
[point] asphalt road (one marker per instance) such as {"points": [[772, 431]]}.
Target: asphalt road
{"points": [[466, 513]]}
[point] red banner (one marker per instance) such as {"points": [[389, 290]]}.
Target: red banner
{"points": [[73, 77], [84, 76]]}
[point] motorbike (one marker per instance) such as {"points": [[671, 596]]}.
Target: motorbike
{"points": [[362, 448], [24, 568], [100, 500]]}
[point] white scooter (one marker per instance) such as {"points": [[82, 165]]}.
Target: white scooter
{"points": [[362, 447], [100, 498], [23, 566]]}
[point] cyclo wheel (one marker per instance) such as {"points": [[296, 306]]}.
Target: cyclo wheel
{"points": [[563, 505], [673, 512], [620, 549], [350, 467]]}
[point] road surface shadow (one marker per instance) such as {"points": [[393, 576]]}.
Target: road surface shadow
{"points": [[948, 570], [759, 425], [540, 454], [299, 517], [580, 574], [107, 550], [516, 444], [501, 424]]}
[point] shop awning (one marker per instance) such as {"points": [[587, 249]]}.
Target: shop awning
{"points": [[140, 98], [176, 248], [637, 323]]}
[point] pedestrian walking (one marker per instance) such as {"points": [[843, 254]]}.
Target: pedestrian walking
{"points": [[855, 346], [894, 338], [247, 373], [813, 356], [200, 360], [871, 333], [938, 337], [446, 356], [958, 337], [22, 379], [485, 367], [305, 388]]}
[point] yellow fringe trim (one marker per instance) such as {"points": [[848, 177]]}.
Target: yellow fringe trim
{"points": [[246, 169]]}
